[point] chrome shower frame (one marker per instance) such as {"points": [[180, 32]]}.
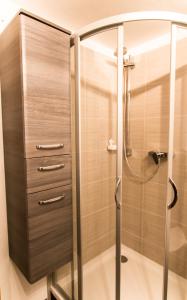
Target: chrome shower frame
{"points": [[117, 22]]}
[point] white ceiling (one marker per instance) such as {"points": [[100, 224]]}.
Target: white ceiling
{"points": [[73, 14], [135, 34]]}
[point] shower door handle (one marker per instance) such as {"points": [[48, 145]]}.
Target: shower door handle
{"points": [[175, 198], [118, 182]]}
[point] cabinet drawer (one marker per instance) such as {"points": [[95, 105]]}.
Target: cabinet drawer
{"points": [[48, 172], [47, 201], [52, 217], [49, 231]]}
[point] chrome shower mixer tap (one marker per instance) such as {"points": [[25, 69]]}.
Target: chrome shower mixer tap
{"points": [[158, 156]]}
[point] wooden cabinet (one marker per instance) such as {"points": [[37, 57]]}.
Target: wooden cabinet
{"points": [[35, 84]]}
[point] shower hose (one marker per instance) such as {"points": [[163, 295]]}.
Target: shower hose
{"points": [[127, 99]]}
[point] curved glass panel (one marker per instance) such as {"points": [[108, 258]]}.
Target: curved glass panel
{"points": [[98, 111], [146, 95], [147, 78], [177, 279]]}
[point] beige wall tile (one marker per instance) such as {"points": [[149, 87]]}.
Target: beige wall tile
{"points": [[156, 133], [181, 91], [180, 133], [153, 251], [137, 104], [157, 100], [179, 212], [131, 240], [99, 246], [180, 168], [97, 224], [153, 229], [136, 164], [178, 263], [136, 133], [155, 198], [132, 220], [132, 193], [97, 195]]}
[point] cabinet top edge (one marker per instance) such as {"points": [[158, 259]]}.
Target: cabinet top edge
{"points": [[37, 18], [40, 19]]}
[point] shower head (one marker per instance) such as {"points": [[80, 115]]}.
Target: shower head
{"points": [[128, 60], [124, 51]]}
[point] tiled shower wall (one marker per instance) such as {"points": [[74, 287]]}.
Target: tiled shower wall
{"points": [[144, 204], [98, 124], [178, 247]]}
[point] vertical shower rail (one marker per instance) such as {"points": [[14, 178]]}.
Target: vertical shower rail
{"points": [[119, 158], [78, 162]]}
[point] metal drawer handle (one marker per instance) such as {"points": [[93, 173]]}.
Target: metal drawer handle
{"points": [[51, 168], [44, 202], [49, 147], [175, 198]]}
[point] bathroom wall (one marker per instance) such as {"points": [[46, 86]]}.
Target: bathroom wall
{"points": [[98, 124], [144, 204]]}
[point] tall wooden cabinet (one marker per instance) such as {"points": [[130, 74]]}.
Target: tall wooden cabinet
{"points": [[35, 84]]}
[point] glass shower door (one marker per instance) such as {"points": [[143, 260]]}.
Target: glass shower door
{"points": [[99, 166], [177, 227], [147, 80]]}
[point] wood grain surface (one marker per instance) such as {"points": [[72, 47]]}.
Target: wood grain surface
{"points": [[46, 87], [34, 66], [13, 138], [39, 181], [50, 232]]}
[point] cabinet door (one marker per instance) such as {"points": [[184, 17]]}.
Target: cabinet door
{"points": [[46, 81], [50, 231]]}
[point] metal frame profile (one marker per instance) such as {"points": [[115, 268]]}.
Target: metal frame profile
{"points": [[88, 31], [115, 21], [119, 158], [170, 155]]}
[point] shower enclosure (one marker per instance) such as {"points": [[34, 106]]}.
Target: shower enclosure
{"points": [[130, 120]]}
